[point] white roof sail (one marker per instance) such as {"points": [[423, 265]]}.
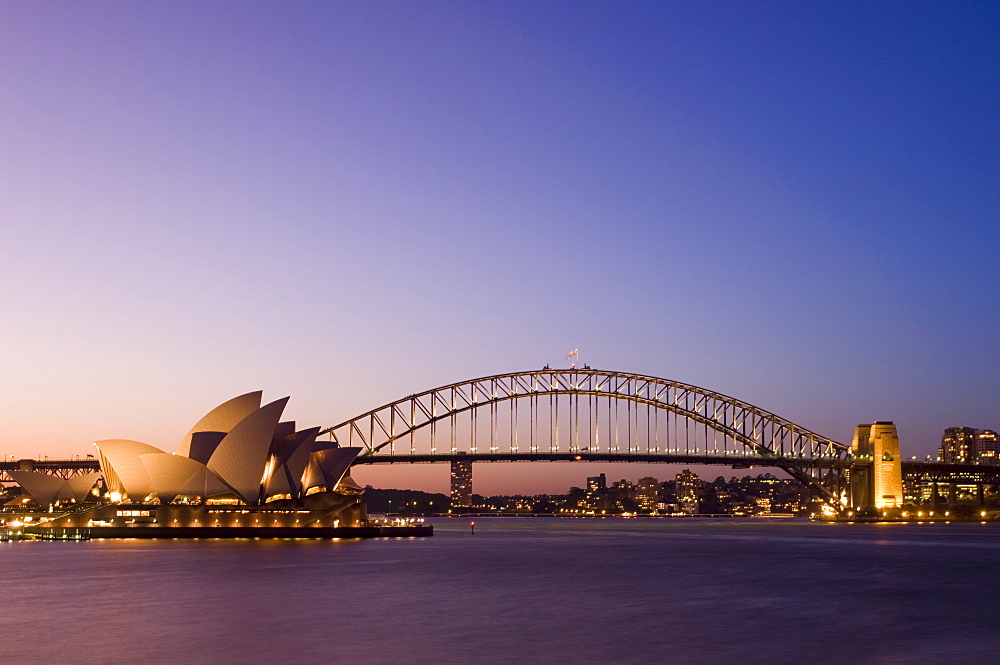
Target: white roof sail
{"points": [[172, 475], [80, 486], [312, 476], [290, 456], [277, 481], [222, 418], [298, 460], [43, 487], [333, 463], [240, 458], [123, 456]]}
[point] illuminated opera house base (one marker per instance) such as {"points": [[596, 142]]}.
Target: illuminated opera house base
{"points": [[241, 471], [325, 515], [158, 521]]}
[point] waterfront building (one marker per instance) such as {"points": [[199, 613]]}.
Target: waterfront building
{"points": [[239, 452], [958, 445], [686, 486], [239, 468], [647, 493], [916, 490], [461, 483], [622, 494], [624, 486], [967, 445], [597, 483], [987, 447]]}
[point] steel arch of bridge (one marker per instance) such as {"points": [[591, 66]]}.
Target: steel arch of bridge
{"points": [[765, 437]]}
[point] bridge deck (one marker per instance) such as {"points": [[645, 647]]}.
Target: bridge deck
{"points": [[653, 458], [944, 471], [46, 464]]}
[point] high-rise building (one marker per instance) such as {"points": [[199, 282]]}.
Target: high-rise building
{"points": [[987, 447], [597, 483], [958, 445], [967, 445], [624, 487], [686, 484], [461, 483], [647, 493]]}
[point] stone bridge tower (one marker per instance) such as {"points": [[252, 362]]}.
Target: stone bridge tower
{"points": [[877, 475]]}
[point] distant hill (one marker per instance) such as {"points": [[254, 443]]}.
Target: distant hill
{"points": [[405, 502]]}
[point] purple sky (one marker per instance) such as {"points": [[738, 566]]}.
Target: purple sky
{"points": [[792, 203]]}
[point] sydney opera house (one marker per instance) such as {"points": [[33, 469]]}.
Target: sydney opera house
{"points": [[240, 467]]}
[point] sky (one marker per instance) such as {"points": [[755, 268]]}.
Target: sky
{"points": [[793, 203]]}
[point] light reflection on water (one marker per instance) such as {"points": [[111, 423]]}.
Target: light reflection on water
{"points": [[518, 591]]}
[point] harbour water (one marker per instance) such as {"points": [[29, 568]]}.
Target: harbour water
{"points": [[521, 590]]}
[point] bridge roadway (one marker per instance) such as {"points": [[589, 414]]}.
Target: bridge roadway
{"points": [[736, 461], [46, 464], [940, 471]]}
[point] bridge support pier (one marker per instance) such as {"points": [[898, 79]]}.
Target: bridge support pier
{"points": [[877, 475]]}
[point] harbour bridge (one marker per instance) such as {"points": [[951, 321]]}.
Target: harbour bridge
{"points": [[585, 414], [596, 415]]}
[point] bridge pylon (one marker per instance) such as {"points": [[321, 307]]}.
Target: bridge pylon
{"points": [[876, 476]]}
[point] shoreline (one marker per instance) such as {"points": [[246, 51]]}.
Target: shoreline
{"points": [[215, 532]]}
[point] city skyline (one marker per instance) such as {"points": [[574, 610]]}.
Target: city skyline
{"points": [[788, 204]]}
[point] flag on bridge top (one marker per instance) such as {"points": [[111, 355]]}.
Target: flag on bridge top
{"points": [[572, 354]]}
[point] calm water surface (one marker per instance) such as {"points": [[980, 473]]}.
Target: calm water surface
{"points": [[518, 591]]}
